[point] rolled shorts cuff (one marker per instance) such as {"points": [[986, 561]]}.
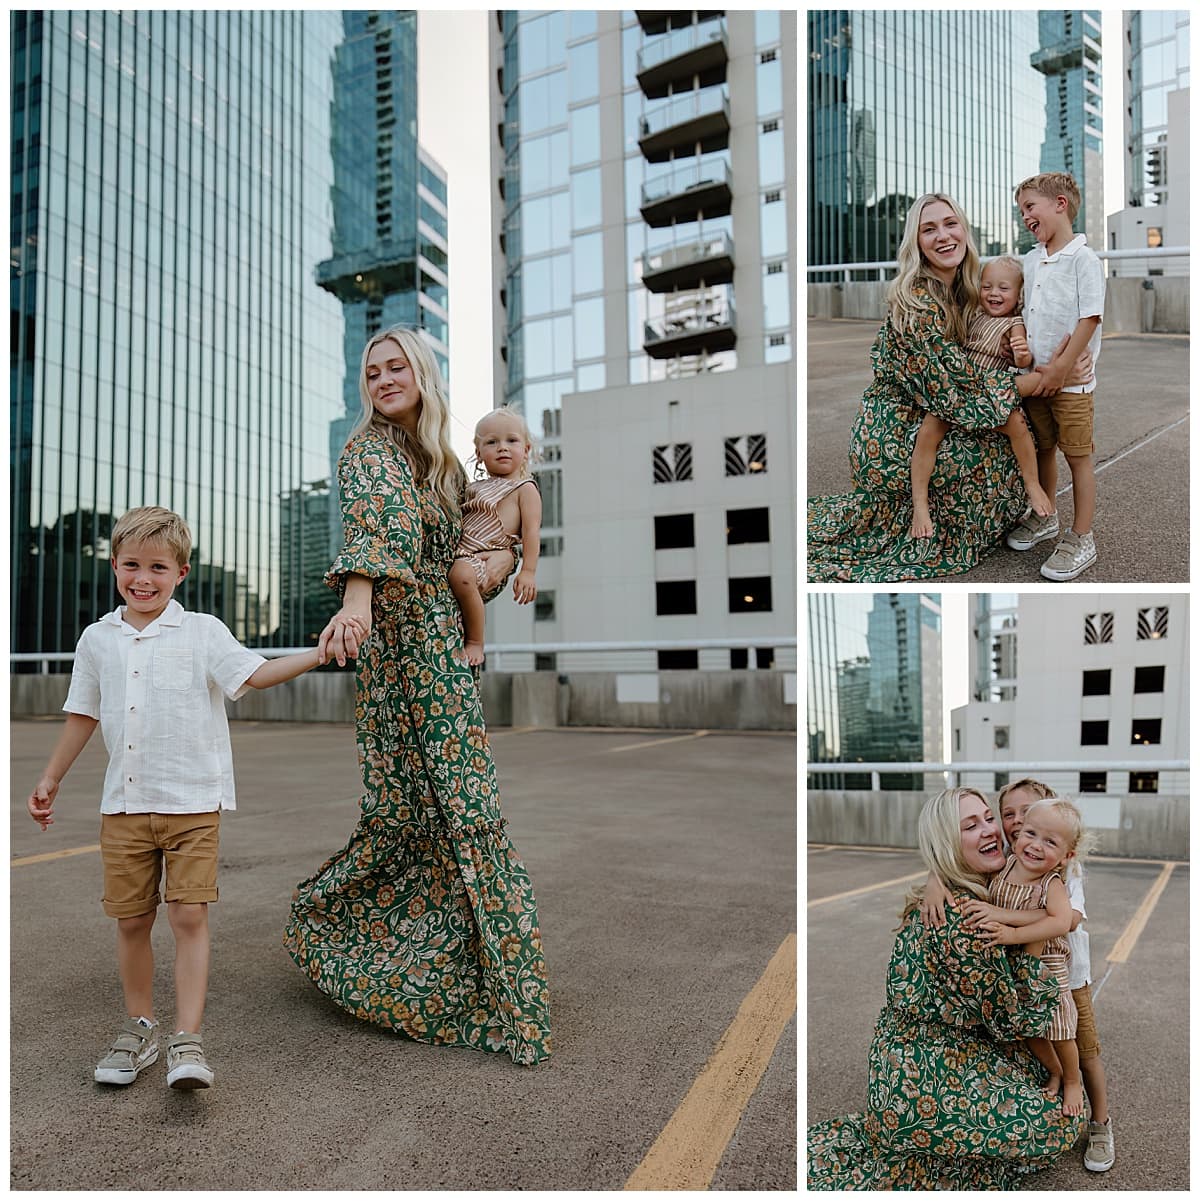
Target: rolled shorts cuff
{"points": [[120, 909], [191, 896]]}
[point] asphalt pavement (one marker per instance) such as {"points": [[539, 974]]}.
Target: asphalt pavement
{"points": [[1140, 996], [664, 867], [1141, 436]]}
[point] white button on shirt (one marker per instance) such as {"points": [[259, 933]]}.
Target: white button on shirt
{"points": [[159, 695], [1060, 290]]}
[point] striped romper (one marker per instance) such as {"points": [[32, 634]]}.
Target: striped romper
{"points": [[1056, 954], [482, 529], [985, 336]]}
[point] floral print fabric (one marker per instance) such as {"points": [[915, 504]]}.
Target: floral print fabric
{"points": [[975, 493], [953, 1102], [425, 922]]}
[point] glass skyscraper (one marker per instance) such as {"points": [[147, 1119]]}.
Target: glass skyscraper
{"points": [[1158, 57], [874, 683], [904, 102], [179, 186]]}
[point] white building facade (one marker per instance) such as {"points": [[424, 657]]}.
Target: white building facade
{"points": [[1100, 678]]}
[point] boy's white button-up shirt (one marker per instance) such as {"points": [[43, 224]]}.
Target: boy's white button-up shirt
{"points": [[159, 695], [1060, 290], [1080, 970]]}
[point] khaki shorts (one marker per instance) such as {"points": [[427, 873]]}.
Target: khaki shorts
{"points": [[1086, 1038], [133, 847], [1063, 420]]}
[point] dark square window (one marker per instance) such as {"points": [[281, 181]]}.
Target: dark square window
{"points": [[1093, 733], [1146, 730], [752, 594], [1097, 683], [764, 657], [678, 660], [747, 525], [543, 606], [1143, 781], [675, 596], [1152, 622], [1093, 781], [739, 658], [674, 530], [545, 662], [1148, 679]]}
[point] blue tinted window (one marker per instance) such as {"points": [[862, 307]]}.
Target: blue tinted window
{"points": [[588, 253], [585, 198], [589, 328], [583, 69], [585, 135]]}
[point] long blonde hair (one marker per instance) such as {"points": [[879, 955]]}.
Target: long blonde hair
{"points": [[959, 301], [939, 839], [430, 454]]}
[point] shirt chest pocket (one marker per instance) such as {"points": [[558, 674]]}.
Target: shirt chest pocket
{"points": [[173, 670]]}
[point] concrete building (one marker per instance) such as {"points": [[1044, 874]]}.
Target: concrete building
{"points": [[874, 682], [1069, 56], [645, 182], [1098, 678], [1157, 101]]}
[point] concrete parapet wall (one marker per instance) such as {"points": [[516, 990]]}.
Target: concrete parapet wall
{"points": [[1129, 307], [1141, 826], [689, 700]]}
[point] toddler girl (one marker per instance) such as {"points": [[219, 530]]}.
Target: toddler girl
{"points": [[1030, 906], [499, 517], [997, 324]]}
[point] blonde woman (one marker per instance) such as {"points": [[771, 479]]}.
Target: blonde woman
{"points": [[425, 922], [952, 1102], [975, 491]]}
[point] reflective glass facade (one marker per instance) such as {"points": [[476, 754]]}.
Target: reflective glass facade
{"points": [[175, 186], [907, 102], [874, 682], [1158, 63]]}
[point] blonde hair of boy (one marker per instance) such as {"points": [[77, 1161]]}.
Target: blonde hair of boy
{"points": [[518, 419], [1039, 790], [957, 302], [939, 839], [150, 523], [1082, 840], [1053, 184], [430, 454]]}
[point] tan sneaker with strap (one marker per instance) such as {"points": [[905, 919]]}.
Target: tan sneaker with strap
{"points": [[186, 1065], [135, 1048]]}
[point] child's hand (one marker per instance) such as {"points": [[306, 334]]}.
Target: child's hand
{"points": [[41, 801], [524, 588], [977, 911], [997, 934], [934, 900], [1019, 346]]}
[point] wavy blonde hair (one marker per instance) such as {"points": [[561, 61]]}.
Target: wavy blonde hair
{"points": [[1082, 839], [959, 301], [430, 455], [939, 839]]}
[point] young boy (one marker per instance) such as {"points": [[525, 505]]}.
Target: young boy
{"points": [[155, 678], [1064, 299]]}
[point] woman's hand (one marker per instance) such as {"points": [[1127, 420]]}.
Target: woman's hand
{"points": [[976, 911], [343, 637], [1083, 372], [497, 567]]}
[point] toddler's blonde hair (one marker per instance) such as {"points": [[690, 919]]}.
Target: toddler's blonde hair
{"points": [[1013, 264], [1082, 839], [518, 419], [150, 523]]}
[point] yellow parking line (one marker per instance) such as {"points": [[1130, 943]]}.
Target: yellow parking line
{"points": [[688, 1152], [1125, 944], [854, 892], [52, 855], [634, 746]]}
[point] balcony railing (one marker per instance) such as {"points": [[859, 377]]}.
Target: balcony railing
{"points": [[699, 186], [690, 264], [708, 323], [699, 118], [660, 20], [694, 51]]}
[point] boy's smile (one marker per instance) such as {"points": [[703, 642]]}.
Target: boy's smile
{"points": [[1041, 214], [147, 576]]}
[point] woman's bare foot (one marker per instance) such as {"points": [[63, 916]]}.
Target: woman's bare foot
{"points": [[1038, 500], [922, 523], [1052, 1087], [1072, 1101], [474, 653]]}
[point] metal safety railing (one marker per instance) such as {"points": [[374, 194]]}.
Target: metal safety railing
{"points": [[956, 774]]}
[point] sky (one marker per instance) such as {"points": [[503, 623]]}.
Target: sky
{"points": [[453, 124]]}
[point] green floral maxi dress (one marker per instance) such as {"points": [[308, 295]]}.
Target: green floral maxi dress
{"points": [[975, 492], [425, 922], [953, 1102]]}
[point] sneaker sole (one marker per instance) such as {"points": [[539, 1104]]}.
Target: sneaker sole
{"points": [[189, 1077], [124, 1075], [1098, 1167], [1027, 544], [1060, 576]]}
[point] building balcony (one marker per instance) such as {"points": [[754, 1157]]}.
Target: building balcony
{"points": [[380, 270], [698, 119], [659, 20], [703, 262], [694, 53], [696, 188], [695, 323], [1062, 56]]}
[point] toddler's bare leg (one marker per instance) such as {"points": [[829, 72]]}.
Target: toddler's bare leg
{"points": [[1027, 460], [465, 587], [135, 961], [1044, 1053], [1072, 1081], [929, 438]]}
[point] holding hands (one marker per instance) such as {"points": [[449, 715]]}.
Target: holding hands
{"points": [[41, 801], [344, 636]]}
